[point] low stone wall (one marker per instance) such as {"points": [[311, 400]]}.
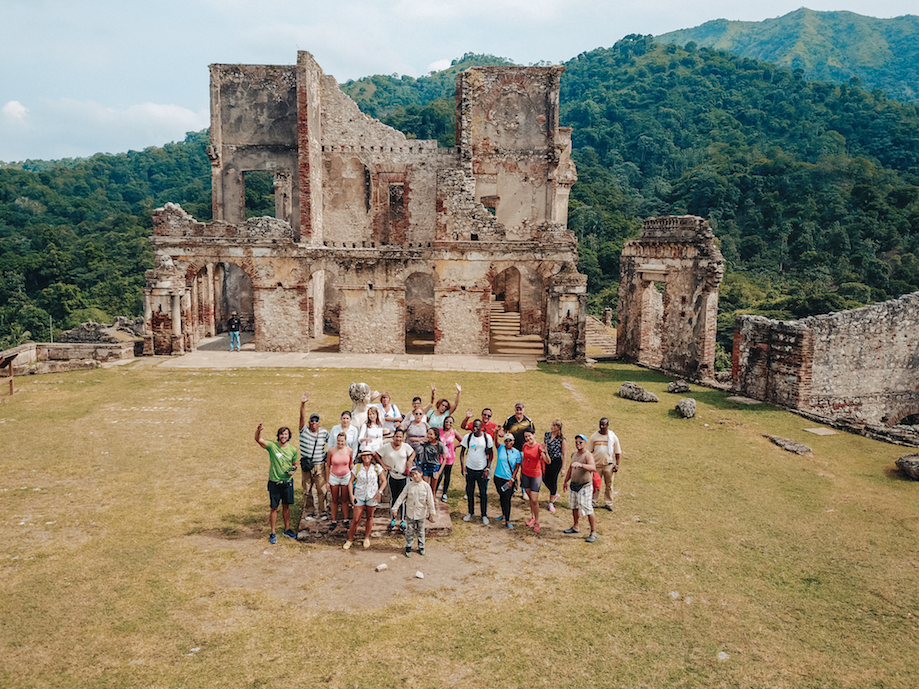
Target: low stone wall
{"points": [[48, 357]]}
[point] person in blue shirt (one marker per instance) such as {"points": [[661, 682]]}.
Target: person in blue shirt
{"points": [[507, 464]]}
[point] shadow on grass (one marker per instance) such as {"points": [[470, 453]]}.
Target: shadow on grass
{"points": [[894, 474], [248, 523]]}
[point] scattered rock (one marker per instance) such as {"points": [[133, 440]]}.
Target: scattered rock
{"points": [[419, 575], [686, 407], [674, 594], [790, 445], [909, 465], [380, 568], [722, 655], [631, 391], [678, 386]]}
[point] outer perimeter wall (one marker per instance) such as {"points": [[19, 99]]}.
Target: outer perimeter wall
{"points": [[859, 366]]}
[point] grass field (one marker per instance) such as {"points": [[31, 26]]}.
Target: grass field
{"points": [[134, 552]]}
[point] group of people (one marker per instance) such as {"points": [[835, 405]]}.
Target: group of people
{"points": [[413, 456]]}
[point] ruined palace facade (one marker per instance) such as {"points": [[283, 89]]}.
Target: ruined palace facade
{"points": [[375, 235]]}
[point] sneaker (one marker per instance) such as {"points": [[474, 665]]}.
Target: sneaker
{"points": [[308, 518], [408, 553], [485, 520], [609, 507], [324, 517], [536, 528], [366, 543], [273, 538], [402, 526], [531, 521], [593, 537], [392, 525], [421, 552], [347, 545], [290, 534], [333, 525], [571, 530], [499, 518], [467, 518], [510, 526], [443, 498], [551, 507]]}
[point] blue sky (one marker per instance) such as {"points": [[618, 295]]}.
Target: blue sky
{"points": [[85, 76]]}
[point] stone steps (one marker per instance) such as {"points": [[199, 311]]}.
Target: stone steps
{"points": [[598, 336], [506, 339]]}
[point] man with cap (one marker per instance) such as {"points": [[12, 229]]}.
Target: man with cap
{"points": [[581, 487], [313, 443], [233, 326]]}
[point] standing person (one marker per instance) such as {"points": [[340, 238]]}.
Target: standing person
{"points": [[314, 442], [431, 456], [604, 446], [338, 464], [517, 423], [234, 325], [581, 489], [534, 461], [480, 449], [416, 405], [352, 433], [450, 440], [507, 464], [365, 491], [396, 457], [283, 466], [417, 502], [557, 449], [389, 413], [488, 426], [416, 430], [371, 434], [443, 408]]}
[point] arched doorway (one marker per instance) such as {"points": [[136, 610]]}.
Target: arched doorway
{"points": [[506, 289], [419, 314], [233, 292]]}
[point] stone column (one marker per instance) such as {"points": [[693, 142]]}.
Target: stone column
{"points": [[211, 324], [178, 345]]}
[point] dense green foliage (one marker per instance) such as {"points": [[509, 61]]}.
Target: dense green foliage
{"points": [[829, 46], [812, 188], [73, 235]]}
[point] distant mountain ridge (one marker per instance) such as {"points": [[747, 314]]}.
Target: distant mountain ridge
{"points": [[827, 46]]}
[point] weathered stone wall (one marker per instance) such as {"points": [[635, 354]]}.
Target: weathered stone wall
{"points": [[860, 366], [674, 331], [372, 320]]}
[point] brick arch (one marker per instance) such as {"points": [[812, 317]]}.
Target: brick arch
{"points": [[246, 264], [900, 411]]}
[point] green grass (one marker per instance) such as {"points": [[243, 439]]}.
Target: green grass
{"points": [[146, 539]]}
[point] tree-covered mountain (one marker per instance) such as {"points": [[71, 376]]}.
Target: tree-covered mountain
{"points": [[827, 46], [812, 188]]}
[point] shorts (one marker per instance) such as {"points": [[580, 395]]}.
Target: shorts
{"points": [[429, 469], [366, 503], [582, 499], [339, 480], [533, 483], [281, 492]]}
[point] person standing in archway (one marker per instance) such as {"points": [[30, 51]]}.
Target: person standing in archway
{"points": [[234, 325]]}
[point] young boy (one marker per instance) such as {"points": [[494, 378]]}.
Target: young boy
{"points": [[419, 503]]}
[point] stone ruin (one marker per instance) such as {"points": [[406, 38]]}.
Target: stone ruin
{"points": [[668, 297], [122, 330], [374, 235]]}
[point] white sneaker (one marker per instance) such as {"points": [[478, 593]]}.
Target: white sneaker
{"points": [[467, 518], [485, 520]]}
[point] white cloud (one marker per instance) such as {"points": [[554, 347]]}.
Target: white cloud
{"points": [[68, 128], [14, 111], [439, 65]]}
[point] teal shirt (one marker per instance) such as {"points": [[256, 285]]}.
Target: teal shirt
{"points": [[282, 459]]}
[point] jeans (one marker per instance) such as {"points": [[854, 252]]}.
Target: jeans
{"points": [[505, 497], [234, 339], [473, 477]]}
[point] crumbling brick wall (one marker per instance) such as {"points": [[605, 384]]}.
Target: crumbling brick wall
{"points": [[859, 366], [674, 330]]}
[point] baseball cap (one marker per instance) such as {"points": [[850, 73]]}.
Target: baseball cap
{"points": [[314, 417]]}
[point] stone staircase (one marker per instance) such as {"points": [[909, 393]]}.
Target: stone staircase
{"points": [[506, 338], [600, 338]]}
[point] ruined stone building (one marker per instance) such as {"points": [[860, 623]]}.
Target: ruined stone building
{"points": [[859, 367], [375, 235], [668, 297]]}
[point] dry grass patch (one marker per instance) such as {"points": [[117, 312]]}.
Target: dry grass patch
{"points": [[134, 551]]}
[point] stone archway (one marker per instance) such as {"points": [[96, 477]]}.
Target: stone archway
{"points": [[506, 289], [419, 313]]}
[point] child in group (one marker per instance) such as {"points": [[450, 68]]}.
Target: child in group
{"points": [[419, 503]]}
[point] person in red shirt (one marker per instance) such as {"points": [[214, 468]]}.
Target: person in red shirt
{"points": [[534, 461], [488, 426]]}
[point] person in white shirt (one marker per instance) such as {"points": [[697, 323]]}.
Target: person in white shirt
{"points": [[476, 452]]}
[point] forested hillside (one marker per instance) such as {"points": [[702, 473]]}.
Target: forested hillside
{"points": [[829, 46], [812, 188]]}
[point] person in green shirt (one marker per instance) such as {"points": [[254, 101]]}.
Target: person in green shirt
{"points": [[283, 458]]}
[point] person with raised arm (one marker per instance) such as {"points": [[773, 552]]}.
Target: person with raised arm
{"points": [[314, 442], [443, 408], [283, 465]]}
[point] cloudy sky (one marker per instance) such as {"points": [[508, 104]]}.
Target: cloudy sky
{"points": [[79, 77]]}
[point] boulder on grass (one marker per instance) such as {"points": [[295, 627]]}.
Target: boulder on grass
{"points": [[631, 391], [909, 465], [678, 386], [686, 407], [789, 444]]}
